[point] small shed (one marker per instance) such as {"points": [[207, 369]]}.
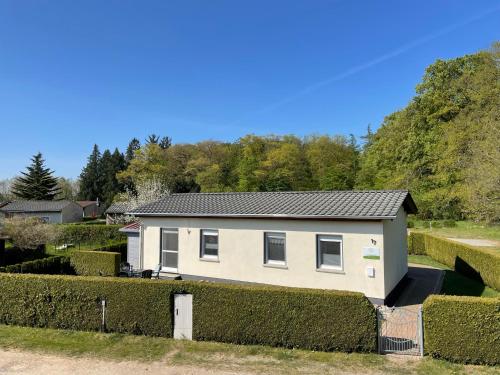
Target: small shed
{"points": [[91, 209], [53, 212], [133, 232]]}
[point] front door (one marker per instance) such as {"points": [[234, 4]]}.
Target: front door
{"points": [[183, 316], [169, 249]]}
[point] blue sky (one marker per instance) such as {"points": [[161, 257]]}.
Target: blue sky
{"points": [[75, 73]]}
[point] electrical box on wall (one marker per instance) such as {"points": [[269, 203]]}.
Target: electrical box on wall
{"points": [[370, 271]]}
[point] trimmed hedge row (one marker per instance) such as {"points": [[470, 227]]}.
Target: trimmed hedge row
{"points": [[50, 266], [472, 262], [14, 255], [95, 263], [89, 233], [115, 248], [289, 317], [462, 329]]}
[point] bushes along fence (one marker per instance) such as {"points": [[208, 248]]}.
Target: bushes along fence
{"points": [[482, 265], [289, 317], [95, 263], [462, 329], [87, 233], [51, 266]]}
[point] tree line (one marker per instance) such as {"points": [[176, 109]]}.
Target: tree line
{"points": [[443, 147]]}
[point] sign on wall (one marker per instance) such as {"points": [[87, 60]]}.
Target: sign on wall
{"points": [[371, 252]]}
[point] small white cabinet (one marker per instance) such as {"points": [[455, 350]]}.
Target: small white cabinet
{"points": [[183, 316]]}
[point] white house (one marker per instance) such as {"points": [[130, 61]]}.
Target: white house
{"points": [[345, 240], [53, 212]]}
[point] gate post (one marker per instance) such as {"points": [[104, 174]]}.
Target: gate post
{"points": [[379, 340], [420, 332]]}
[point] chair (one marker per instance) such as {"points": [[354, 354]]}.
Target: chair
{"points": [[156, 272], [146, 274]]}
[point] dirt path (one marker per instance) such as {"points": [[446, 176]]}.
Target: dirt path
{"points": [[27, 363]]}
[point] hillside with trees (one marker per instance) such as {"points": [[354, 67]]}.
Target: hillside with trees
{"points": [[444, 145]]}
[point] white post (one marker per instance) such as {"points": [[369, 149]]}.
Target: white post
{"points": [[421, 332]]}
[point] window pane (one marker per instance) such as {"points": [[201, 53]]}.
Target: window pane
{"points": [[329, 253], [275, 248], [169, 241], [169, 259], [211, 244]]}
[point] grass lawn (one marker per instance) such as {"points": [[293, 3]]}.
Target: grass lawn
{"points": [[50, 248], [453, 282], [463, 229], [217, 356], [426, 261]]}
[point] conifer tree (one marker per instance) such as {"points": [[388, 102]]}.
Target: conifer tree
{"points": [[37, 183], [90, 188]]}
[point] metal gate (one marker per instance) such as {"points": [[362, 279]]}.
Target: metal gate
{"points": [[400, 330]]}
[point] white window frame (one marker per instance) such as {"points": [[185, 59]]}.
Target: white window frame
{"points": [[329, 238], [210, 232], [169, 230], [272, 262]]}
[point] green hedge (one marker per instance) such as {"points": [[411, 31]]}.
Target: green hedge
{"points": [[289, 317], [462, 329], [89, 233], [51, 266], [95, 263], [115, 248], [479, 264]]}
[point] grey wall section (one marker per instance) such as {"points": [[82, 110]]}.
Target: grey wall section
{"points": [[395, 250], [133, 250], [72, 213], [52, 217]]}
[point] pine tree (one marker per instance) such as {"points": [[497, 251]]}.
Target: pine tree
{"points": [[38, 183], [90, 188], [110, 165], [133, 146], [152, 139], [165, 142]]}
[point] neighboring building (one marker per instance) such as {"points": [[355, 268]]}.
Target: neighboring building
{"points": [[115, 214], [133, 243], [91, 209], [346, 240], [50, 211]]}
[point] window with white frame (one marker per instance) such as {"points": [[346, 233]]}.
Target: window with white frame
{"points": [[209, 244], [275, 248], [329, 252]]}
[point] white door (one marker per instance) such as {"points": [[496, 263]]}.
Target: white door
{"points": [[183, 316]]}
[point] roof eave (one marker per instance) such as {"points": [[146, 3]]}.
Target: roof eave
{"points": [[294, 217]]}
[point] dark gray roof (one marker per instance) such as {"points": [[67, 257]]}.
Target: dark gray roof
{"points": [[118, 208], [36, 206], [377, 204]]}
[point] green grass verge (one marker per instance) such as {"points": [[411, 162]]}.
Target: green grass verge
{"points": [[51, 248], [455, 284], [463, 229], [217, 356], [426, 261]]}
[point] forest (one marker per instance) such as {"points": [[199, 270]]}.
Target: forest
{"points": [[443, 147]]}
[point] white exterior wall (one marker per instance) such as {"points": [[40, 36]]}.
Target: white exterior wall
{"points": [[395, 250], [241, 252]]}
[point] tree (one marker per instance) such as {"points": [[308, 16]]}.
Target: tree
{"points": [[165, 142], [29, 233], [38, 183], [152, 139], [132, 147], [90, 181], [68, 189]]}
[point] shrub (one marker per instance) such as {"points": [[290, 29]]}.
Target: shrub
{"points": [[13, 255], [416, 244], [50, 265], [89, 233], [116, 248], [95, 263], [410, 224], [472, 262], [289, 317], [462, 329], [449, 223], [29, 232]]}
